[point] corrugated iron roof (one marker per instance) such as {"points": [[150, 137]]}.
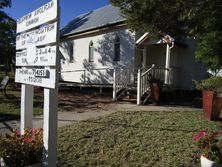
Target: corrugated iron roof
{"points": [[94, 19]]}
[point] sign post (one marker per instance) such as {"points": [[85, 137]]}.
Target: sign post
{"points": [[26, 107], [37, 45]]}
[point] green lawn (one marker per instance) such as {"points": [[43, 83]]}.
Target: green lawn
{"points": [[139, 138], [10, 107]]}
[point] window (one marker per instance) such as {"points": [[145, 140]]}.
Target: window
{"points": [[117, 49], [91, 52]]}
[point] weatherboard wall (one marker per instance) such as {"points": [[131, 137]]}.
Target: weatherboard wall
{"points": [[74, 57]]}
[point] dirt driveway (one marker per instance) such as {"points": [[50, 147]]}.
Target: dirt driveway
{"points": [[84, 101]]}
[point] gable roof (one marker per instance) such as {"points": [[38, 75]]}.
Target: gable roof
{"points": [[98, 18]]}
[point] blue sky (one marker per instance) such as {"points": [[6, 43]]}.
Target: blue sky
{"points": [[69, 8]]}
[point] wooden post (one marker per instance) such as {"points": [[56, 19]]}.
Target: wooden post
{"points": [[84, 77], [144, 59], [50, 127], [114, 85], [26, 107], [167, 65], [100, 90], [50, 120], [139, 87]]}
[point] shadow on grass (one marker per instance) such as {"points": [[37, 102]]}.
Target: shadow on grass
{"points": [[115, 122], [69, 105], [15, 100], [8, 117], [185, 98], [124, 125]]}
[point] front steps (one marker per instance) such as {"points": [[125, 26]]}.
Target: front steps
{"points": [[129, 94]]}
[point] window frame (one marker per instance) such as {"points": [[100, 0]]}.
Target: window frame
{"points": [[117, 49], [91, 51]]}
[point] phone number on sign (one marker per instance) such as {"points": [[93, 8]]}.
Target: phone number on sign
{"points": [[35, 80]]}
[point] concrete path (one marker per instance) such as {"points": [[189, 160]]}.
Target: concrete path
{"points": [[66, 118], [133, 107]]}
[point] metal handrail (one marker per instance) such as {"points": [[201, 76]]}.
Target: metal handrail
{"points": [[147, 71]]}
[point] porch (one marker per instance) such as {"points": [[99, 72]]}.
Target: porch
{"points": [[153, 61], [128, 82]]}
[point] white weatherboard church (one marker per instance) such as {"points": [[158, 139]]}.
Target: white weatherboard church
{"points": [[95, 43]]}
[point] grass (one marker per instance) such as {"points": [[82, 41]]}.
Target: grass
{"points": [[132, 138], [138, 138], [10, 107]]}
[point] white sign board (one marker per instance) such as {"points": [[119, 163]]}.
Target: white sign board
{"points": [[38, 77], [37, 32], [45, 56], [42, 36], [41, 15]]}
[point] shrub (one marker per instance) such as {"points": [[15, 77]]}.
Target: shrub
{"points": [[213, 84], [22, 150], [209, 143]]}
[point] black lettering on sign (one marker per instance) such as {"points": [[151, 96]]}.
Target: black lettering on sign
{"points": [[21, 54], [32, 21], [24, 18], [24, 72], [23, 43], [40, 39], [43, 59], [23, 36], [45, 29], [24, 60], [35, 80], [41, 73], [18, 38], [44, 8]]}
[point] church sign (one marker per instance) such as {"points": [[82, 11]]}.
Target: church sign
{"points": [[37, 44], [41, 36], [40, 16], [37, 56], [38, 77]]}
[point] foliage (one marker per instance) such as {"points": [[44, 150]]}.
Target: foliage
{"points": [[213, 84], [5, 3], [22, 150], [179, 17], [156, 17], [210, 144], [7, 35], [209, 50], [199, 18]]}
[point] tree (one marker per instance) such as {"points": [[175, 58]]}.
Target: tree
{"points": [[209, 33], [7, 35], [209, 51], [156, 17], [199, 18]]}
